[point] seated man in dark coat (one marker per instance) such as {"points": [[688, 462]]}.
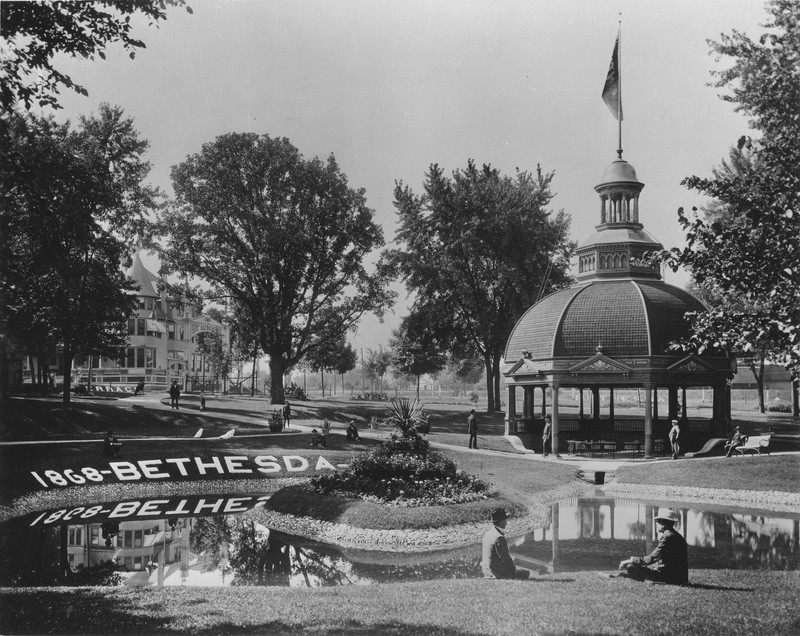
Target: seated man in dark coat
{"points": [[111, 445], [352, 431], [496, 561], [670, 557]]}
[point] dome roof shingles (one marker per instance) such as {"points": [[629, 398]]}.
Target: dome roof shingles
{"points": [[626, 317], [611, 315]]}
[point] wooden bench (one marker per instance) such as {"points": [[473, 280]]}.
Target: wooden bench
{"points": [[756, 444]]}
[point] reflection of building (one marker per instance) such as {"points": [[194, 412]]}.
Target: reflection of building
{"points": [[597, 533], [134, 545], [161, 341], [612, 331]]}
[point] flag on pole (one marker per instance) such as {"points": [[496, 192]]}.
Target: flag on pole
{"points": [[611, 94]]}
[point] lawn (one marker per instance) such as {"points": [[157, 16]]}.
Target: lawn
{"points": [[715, 602]]}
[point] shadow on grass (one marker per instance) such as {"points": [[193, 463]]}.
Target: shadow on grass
{"points": [[704, 586]]}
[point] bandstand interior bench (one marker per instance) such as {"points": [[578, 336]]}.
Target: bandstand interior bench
{"points": [[755, 444]]}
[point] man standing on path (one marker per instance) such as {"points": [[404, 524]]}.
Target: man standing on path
{"points": [[674, 439], [547, 434], [472, 429], [174, 394], [670, 555], [287, 414], [496, 561]]}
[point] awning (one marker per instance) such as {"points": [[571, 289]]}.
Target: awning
{"points": [[154, 325]]}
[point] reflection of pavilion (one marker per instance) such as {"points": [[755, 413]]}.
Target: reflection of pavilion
{"points": [[597, 533]]}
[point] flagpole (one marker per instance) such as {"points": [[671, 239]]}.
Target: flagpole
{"points": [[619, 88]]}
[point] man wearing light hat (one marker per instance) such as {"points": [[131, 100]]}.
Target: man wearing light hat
{"points": [[670, 556], [496, 560]]}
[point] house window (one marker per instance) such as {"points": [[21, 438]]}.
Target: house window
{"points": [[75, 535], [128, 539], [149, 358], [140, 357], [94, 531], [140, 328], [132, 327], [137, 538], [141, 301], [148, 304], [171, 330]]}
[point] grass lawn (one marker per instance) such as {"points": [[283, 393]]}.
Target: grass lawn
{"points": [[715, 602]]}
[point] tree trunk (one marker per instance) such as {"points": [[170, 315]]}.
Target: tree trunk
{"points": [[68, 357], [489, 385], [253, 379], [496, 373], [322, 375], [3, 370], [759, 376], [276, 369]]}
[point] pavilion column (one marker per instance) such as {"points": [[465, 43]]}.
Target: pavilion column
{"points": [[655, 402], [611, 405], [527, 402], [544, 401], [554, 537], [554, 413], [511, 409], [683, 403], [595, 403], [648, 421], [672, 403], [581, 402]]}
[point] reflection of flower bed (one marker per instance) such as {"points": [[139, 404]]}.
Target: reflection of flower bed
{"points": [[403, 472]]}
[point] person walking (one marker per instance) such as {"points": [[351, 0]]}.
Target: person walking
{"points": [[326, 428], [287, 414], [675, 438], [472, 429], [670, 556], [547, 434], [174, 395], [496, 561]]}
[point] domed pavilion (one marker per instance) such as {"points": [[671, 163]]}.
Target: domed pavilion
{"points": [[611, 333]]}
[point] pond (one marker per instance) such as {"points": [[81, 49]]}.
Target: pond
{"points": [[206, 541]]}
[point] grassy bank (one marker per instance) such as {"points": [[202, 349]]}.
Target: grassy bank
{"points": [[715, 602]]}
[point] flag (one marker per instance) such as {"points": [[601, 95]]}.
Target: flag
{"points": [[611, 88]]}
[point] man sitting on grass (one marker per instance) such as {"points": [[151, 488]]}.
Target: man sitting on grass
{"points": [[352, 431], [111, 445], [670, 556], [496, 560]]}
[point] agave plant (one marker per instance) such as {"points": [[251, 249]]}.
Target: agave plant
{"points": [[409, 417]]}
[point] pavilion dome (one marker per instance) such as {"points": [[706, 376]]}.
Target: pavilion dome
{"points": [[619, 318], [619, 171]]}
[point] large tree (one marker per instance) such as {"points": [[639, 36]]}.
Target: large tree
{"points": [[34, 32], [752, 255], [286, 238], [74, 202], [415, 348], [479, 249]]}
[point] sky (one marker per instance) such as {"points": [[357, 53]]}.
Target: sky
{"points": [[391, 87]]}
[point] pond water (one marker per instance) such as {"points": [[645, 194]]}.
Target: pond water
{"points": [[205, 540]]}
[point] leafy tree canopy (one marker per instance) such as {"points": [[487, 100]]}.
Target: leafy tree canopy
{"points": [[284, 238], [477, 248], [34, 31], [750, 254], [74, 201]]}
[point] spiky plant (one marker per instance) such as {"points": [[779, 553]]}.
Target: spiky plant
{"points": [[407, 416]]}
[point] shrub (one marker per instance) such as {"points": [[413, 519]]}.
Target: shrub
{"points": [[404, 472], [780, 408]]}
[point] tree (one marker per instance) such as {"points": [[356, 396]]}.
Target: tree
{"points": [[209, 345], [74, 202], [740, 163], [477, 249], [756, 259], [344, 360], [284, 237], [34, 32], [415, 348], [377, 364]]}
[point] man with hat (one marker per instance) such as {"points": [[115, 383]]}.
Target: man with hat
{"points": [[496, 560], [670, 556]]}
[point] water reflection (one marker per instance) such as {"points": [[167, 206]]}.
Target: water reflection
{"points": [[175, 541], [597, 533]]}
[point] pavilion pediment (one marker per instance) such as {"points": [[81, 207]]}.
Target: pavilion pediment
{"points": [[691, 364], [600, 364], [524, 366]]}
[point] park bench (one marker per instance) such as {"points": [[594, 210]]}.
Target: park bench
{"points": [[756, 444]]}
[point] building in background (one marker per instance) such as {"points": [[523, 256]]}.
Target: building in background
{"points": [[162, 346]]}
